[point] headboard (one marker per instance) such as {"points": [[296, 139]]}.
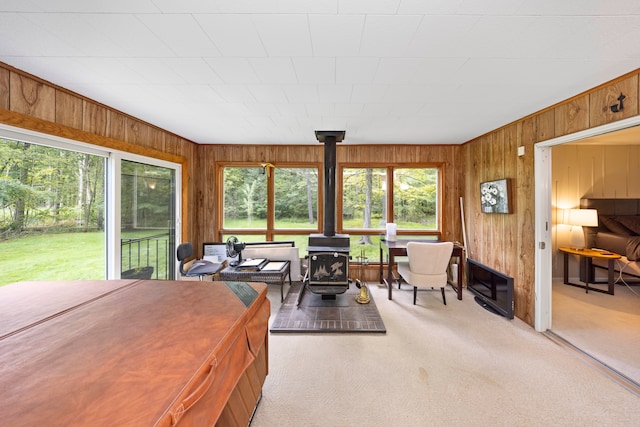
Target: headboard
{"points": [[608, 207], [612, 206]]}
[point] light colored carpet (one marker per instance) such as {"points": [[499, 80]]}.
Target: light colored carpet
{"points": [[454, 365], [605, 326]]}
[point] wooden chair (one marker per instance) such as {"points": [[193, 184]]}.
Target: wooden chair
{"points": [[427, 266]]}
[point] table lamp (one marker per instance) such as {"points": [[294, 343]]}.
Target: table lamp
{"points": [[579, 218]]}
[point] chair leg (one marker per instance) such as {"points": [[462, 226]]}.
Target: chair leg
{"points": [[444, 299], [415, 294]]}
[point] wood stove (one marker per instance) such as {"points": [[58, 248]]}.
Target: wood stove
{"points": [[328, 253], [328, 259]]}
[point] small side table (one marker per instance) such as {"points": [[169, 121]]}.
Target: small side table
{"points": [[589, 254], [231, 274]]}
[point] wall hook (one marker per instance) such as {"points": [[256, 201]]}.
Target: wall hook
{"points": [[619, 106]]}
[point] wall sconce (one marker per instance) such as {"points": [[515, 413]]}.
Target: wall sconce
{"points": [[266, 168], [579, 218]]}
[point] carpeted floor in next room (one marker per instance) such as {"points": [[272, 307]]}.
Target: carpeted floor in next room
{"points": [[605, 326], [454, 365]]}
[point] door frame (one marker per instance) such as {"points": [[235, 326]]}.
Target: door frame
{"points": [[543, 224]]}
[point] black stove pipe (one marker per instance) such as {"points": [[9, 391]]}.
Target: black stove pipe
{"points": [[329, 224], [329, 138]]}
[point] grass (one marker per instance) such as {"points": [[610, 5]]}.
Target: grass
{"points": [[64, 256], [81, 256]]}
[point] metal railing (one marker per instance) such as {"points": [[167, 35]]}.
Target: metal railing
{"points": [[140, 255]]}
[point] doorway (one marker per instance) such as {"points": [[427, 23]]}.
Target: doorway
{"points": [[593, 306]]}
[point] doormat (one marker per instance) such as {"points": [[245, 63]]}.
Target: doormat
{"points": [[314, 314]]}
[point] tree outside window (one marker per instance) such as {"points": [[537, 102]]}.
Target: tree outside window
{"points": [[366, 208], [51, 213], [296, 198], [245, 198], [247, 211], [364, 203], [415, 198]]}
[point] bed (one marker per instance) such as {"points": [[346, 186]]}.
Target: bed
{"points": [[618, 231]]}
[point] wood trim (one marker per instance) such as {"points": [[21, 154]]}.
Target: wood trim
{"points": [[46, 127], [57, 130]]}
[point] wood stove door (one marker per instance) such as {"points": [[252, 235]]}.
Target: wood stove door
{"points": [[328, 268]]}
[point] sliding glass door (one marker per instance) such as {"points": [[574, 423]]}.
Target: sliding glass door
{"points": [[72, 211], [52, 213], [147, 220]]}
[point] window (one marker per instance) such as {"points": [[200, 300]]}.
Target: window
{"points": [[245, 198], [60, 220], [281, 203], [415, 198], [274, 202], [364, 193], [296, 198], [373, 196]]}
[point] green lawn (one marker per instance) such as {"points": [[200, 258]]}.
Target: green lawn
{"points": [[80, 256], [62, 256]]}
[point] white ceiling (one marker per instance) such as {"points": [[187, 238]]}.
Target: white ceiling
{"points": [[273, 71]]}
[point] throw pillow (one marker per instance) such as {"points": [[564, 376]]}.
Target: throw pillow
{"points": [[631, 222], [633, 248], [614, 226]]}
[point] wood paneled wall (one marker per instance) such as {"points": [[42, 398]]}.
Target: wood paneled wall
{"points": [[31, 103], [507, 242], [211, 155]]}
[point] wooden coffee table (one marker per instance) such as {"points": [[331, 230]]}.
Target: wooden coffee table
{"points": [[589, 254]]}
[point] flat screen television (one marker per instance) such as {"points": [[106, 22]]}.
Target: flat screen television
{"points": [[493, 290]]}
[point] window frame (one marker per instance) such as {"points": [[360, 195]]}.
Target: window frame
{"points": [[390, 167], [271, 231]]}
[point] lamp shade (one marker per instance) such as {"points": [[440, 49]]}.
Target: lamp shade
{"points": [[583, 217]]}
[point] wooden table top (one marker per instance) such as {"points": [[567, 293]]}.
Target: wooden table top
{"points": [[591, 253]]}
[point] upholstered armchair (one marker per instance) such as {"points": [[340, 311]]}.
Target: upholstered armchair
{"points": [[427, 266]]}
